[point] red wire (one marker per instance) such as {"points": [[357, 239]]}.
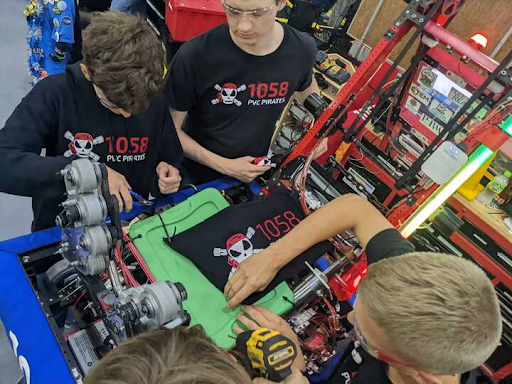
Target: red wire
{"points": [[139, 258], [334, 315], [80, 297]]}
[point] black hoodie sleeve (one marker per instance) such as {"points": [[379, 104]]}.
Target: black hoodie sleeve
{"points": [[32, 126]]}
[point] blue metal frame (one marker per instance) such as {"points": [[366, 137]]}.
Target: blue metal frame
{"points": [[38, 350]]}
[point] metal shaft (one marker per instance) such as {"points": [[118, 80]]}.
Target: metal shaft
{"points": [[311, 284], [114, 277]]}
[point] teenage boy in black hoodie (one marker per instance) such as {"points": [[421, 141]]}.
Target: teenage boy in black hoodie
{"points": [[107, 108]]}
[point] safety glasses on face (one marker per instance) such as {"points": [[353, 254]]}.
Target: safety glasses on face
{"points": [[382, 356], [254, 15], [103, 100]]}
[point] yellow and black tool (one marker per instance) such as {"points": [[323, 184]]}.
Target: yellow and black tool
{"points": [[269, 352]]}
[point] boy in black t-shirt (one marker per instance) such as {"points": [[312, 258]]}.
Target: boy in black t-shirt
{"points": [[420, 318], [232, 84]]}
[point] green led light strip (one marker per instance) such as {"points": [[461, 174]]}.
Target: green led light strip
{"points": [[477, 158]]}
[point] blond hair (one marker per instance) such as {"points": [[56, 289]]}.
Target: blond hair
{"points": [[125, 59], [178, 356], [439, 312]]}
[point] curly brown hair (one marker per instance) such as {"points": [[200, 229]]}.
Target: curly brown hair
{"points": [[168, 356], [125, 59]]}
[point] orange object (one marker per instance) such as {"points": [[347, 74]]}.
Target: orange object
{"points": [[340, 152]]}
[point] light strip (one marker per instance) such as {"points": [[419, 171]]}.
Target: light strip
{"points": [[507, 125], [477, 158]]}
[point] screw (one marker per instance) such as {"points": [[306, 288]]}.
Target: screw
{"points": [[414, 16], [407, 11], [504, 73], [422, 20], [25, 259]]}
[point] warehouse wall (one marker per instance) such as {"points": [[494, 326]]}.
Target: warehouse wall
{"points": [[492, 18]]}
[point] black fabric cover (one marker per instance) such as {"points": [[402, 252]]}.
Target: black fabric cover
{"points": [[270, 219]]}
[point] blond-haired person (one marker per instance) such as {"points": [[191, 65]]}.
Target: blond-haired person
{"points": [[420, 318], [108, 108]]}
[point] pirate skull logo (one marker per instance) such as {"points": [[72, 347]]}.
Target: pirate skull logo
{"points": [[238, 248], [227, 94], [82, 144]]}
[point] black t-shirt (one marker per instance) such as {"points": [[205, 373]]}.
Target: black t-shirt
{"points": [[234, 98], [220, 243], [357, 366]]}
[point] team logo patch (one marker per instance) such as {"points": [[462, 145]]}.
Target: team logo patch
{"points": [[227, 94], [238, 248], [82, 144]]}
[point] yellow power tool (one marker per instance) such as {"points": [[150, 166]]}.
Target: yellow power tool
{"points": [[269, 352]]}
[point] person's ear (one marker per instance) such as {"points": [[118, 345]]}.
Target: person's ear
{"points": [[281, 5], [85, 71]]}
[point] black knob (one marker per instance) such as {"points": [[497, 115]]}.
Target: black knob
{"points": [[188, 319], [181, 289]]}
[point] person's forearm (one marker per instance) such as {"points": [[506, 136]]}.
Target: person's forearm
{"points": [[192, 149], [195, 151], [346, 212]]}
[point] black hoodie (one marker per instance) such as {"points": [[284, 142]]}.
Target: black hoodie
{"points": [[63, 115]]}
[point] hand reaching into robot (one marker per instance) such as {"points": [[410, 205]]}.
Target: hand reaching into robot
{"points": [[252, 275], [121, 189], [255, 317], [169, 178], [243, 168]]}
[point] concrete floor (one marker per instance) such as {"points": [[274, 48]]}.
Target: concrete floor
{"points": [[15, 212]]}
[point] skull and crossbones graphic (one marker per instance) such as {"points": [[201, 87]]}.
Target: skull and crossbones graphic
{"points": [[227, 94], [82, 144], [238, 248]]}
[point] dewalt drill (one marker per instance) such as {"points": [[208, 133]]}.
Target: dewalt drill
{"points": [[269, 353]]}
